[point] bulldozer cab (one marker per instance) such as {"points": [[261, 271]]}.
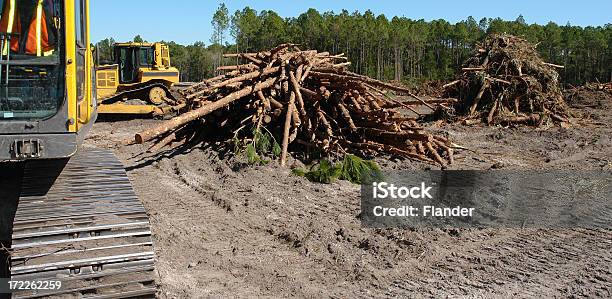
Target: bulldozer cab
{"points": [[135, 57], [129, 60]]}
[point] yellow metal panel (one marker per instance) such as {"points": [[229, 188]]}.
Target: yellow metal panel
{"points": [[126, 109], [85, 106], [107, 82], [159, 63], [134, 44], [89, 60], [105, 92], [170, 75], [165, 53], [71, 65]]}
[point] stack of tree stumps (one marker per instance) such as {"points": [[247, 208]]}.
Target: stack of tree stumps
{"points": [[305, 99], [507, 82]]}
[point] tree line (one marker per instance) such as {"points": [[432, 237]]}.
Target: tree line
{"points": [[399, 48]]}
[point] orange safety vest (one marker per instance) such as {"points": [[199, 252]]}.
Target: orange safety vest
{"points": [[10, 23], [37, 42]]}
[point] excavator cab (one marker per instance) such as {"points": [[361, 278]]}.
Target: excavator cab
{"points": [[67, 213], [45, 84]]}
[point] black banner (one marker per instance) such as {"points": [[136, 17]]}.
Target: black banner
{"points": [[493, 198]]}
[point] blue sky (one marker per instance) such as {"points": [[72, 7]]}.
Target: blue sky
{"points": [[187, 21]]}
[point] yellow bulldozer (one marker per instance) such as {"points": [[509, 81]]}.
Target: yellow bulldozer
{"points": [[68, 214], [138, 81]]}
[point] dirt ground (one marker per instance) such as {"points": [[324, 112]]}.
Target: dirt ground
{"points": [[222, 229]]}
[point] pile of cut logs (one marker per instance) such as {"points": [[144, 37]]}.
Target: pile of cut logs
{"points": [[307, 100]]}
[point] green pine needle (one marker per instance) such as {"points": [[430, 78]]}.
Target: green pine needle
{"points": [[352, 169], [299, 172], [276, 149], [325, 172], [357, 170], [251, 154]]}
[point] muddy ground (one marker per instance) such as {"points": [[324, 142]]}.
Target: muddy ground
{"points": [[222, 229]]}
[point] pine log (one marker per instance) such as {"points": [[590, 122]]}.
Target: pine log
{"points": [[207, 81], [451, 84], [311, 94], [298, 72], [252, 58], [553, 65], [265, 101], [248, 76], [492, 112], [433, 151], [192, 115], [249, 66], [432, 101], [298, 94], [469, 69], [276, 104], [285, 145], [325, 123], [403, 135], [477, 98], [306, 73], [231, 55], [498, 80], [162, 143], [347, 116]]}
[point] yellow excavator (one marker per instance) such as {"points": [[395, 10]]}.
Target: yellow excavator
{"points": [[69, 213], [138, 81]]}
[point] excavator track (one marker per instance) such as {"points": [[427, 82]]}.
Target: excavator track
{"points": [[79, 221]]}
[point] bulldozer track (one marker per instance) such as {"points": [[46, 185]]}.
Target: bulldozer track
{"points": [[79, 222], [117, 97]]}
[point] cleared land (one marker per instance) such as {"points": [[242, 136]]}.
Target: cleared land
{"points": [[225, 229]]}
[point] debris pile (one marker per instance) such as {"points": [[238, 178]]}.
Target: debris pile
{"points": [[306, 100], [506, 82], [433, 88], [590, 95], [605, 87]]}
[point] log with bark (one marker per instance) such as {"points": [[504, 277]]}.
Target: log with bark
{"points": [[305, 99]]}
